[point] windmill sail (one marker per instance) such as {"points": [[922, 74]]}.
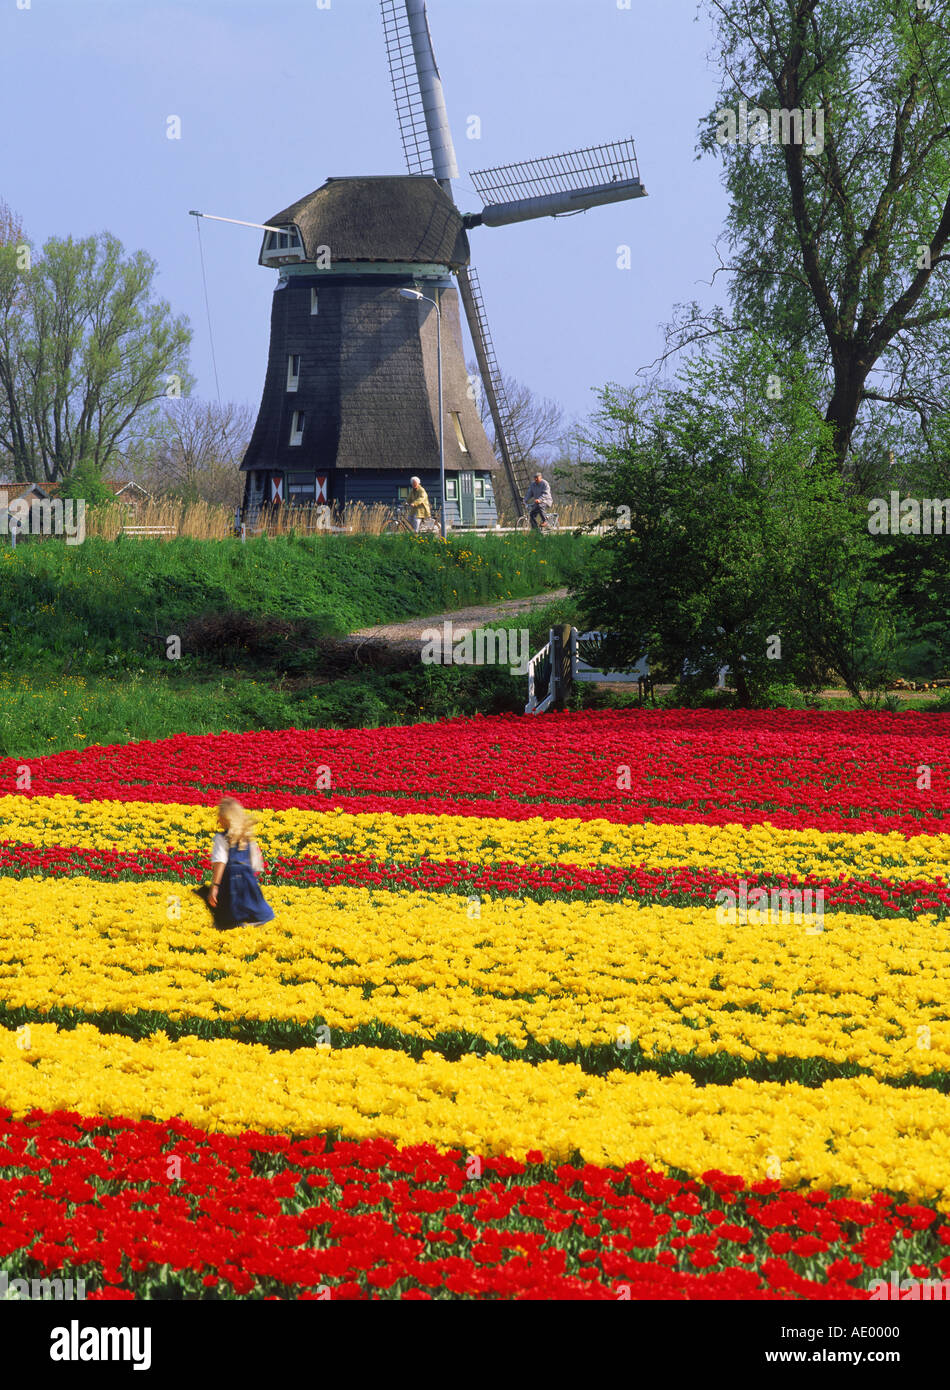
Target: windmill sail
{"points": [[558, 184], [555, 186], [427, 145], [417, 88], [410, 112], [433, 100]]}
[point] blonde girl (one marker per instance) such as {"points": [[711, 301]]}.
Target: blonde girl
{"points": [[235, 897]]}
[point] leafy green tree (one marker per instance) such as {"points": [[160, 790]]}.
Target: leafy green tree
{"points": [[85, 349], [85, 481], [838, 242], [733, 542]]}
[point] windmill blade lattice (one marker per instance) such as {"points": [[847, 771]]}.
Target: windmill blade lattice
{"points": [[410, 112], [572, 172]]}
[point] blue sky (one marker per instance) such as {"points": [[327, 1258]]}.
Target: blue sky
{"points": [[275, 96]]}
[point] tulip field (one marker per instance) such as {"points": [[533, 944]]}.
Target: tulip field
{"points": [[509, 1035]]}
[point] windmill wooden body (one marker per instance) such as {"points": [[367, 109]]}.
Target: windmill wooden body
{"points": [[351, 402]]}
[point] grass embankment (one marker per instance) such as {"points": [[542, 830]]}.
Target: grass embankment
{"points": [[137, 639]]}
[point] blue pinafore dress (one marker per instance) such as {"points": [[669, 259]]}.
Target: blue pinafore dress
{"points": [[239, 896]]}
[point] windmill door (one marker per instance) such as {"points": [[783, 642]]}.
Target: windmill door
{"points": [[467, 499]]}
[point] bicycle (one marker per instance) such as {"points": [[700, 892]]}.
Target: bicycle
{"points": [[400, 521], [524, 522]]}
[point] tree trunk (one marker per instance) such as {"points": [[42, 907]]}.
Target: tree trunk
{"points": [[842, 412], [742, 687]]}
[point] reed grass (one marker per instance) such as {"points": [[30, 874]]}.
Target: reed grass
{"points": [[209, 521]]}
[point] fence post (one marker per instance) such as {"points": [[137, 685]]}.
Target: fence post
{"points": [[561, 664], [557, 667]]}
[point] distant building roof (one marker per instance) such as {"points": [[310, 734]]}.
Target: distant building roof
{"points": [[118, 487], [16, 490], [406, 219]]}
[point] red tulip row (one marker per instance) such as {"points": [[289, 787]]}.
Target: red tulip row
{"points": [[864, 771], [266, 1216], [679, 886]]}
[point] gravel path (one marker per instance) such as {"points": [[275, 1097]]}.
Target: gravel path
{"points": [[462, 619]]}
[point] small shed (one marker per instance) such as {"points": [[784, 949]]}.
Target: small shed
{"points": [[131, 494]]}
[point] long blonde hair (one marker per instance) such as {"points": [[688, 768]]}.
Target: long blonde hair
{"points": [[238, 822]]}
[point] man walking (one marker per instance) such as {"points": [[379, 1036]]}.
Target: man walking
{"points": [[419, 508], [539, 499]]}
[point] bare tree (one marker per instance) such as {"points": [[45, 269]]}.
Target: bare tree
{"points": [[536, 423], [193, 450], [572, 461], [11, 228]]}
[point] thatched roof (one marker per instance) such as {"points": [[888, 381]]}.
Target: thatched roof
{"points": [[407, 219]]}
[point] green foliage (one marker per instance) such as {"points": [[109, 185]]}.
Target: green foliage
{"points": [[742, 550], [110, 606], [74, 712], [917, 568], [826, 234], [84, 633], [85, 482]]}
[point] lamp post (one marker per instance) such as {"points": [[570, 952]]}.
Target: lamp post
{"points": [[417, 294]]}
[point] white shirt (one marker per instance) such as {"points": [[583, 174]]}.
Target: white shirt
{"points": [[219, 853]]}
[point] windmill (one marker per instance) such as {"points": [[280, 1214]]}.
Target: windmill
{"points": [[350, 407]]}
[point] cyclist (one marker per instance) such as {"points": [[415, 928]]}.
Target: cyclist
{"points": [[419, 509], [539, 499]]}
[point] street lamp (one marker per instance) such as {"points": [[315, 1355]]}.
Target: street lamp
{"points": [[417, 294]]}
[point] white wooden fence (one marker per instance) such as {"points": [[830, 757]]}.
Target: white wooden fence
{"points": [[542, 674]]}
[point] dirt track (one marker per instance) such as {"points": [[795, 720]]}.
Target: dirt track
{"points": [[462, 619]]}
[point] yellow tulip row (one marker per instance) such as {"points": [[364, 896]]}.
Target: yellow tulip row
{"points": [[856, 1133], [131, 826], [669, 979]]}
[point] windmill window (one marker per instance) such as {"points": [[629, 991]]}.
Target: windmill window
{"points": [[314, 302], [293, 371], [451, 489], [480, 488], [302, 488], [456, 421], [296, 427], [275, 242]]}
